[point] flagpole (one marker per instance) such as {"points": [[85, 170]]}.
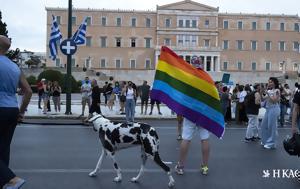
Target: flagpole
{"points": [[69, 64]]}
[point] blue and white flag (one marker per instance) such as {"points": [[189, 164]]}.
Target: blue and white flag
{"points": [[55, 36], [79, 37]]}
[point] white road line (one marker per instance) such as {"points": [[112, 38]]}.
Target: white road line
{"points": [[89, 170], [90, 127]]}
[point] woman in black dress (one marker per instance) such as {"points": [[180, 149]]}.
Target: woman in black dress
{"points": [[95, 106]]}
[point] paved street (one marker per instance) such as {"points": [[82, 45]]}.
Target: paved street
{"points": [[60, 157]]}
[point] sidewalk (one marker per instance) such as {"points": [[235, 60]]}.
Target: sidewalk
{"points": [[33, 112]]}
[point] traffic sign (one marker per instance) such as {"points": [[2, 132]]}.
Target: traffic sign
{"points": [[68, 47]]}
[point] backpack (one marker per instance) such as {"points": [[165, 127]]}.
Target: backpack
{"points": [[292, 145], [250, 98]]}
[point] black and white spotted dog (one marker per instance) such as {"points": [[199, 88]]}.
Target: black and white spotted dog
{"points": [[116, 136]]}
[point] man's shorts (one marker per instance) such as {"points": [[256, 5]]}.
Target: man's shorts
{"points": [[190, 128], [85, 100], [144, 100], [152, 102]]}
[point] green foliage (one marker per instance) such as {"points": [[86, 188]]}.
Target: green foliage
{"points": [[32, 82], [3, 30], [75, 87], [53, 75]]}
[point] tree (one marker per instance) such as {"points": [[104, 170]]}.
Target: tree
{"points": [[34, 61], [3, 30]]}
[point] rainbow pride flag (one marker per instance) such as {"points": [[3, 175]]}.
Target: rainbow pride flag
{"points": [[188, 91]]}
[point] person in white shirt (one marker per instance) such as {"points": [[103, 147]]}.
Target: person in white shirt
{"points": [[130, 94], [86, 91]]}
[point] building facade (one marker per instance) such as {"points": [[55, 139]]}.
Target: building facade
{"points": [[124, 40]]}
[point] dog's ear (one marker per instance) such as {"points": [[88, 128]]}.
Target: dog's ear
{"points": [[94, 116]]}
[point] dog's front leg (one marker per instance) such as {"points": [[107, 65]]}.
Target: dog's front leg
{"points": [[117, 168], [94, 173]]}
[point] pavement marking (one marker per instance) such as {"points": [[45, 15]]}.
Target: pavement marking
{"points": [[90, 127], [89, 170]]}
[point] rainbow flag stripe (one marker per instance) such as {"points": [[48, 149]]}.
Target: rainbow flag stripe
{"points": [[188, 91]]}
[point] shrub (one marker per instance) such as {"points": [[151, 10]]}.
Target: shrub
{"points": [[32, 82]]}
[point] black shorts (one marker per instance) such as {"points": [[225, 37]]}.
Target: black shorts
{"points": [[144, 101], [154, 101]]}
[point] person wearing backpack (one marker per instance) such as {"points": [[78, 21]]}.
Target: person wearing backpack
{"points": [[252, 104]]}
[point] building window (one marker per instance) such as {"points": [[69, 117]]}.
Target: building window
{"points": [[148, 64], [73, 20], [253, 25], [73, 62], [88, 63], [167, 42], [206, 43], [118, 63], [119, 22], [296, 27], [89, 21], [58, 20], [240, 25], [225, 65], [148, 22], [118, 42], [268, 66], [103, 41], [194, 40], [240, 44], [133, 22], [281, 46], [225, 24], [281, 26], [225, 44], [268, 45], [180, 23], [268, 26], [103, 21], [194, 23], [102, 63], [253, 45], [132, 64], [239, 66], [148, 42], [132, 42], [180, 40], [168, 23], [88, 41], [206, 24], [296, 46], [187, 41], [253, 66], [187, 24], [295, 67], [57, 62]]}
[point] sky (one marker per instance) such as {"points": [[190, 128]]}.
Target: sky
{"points": [[26, 19]]}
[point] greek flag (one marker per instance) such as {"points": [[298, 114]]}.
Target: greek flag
{"points": [[55, 35], [79, 37]]}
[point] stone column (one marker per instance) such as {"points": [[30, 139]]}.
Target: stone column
{"points": [[205, 63], [218, 64]]}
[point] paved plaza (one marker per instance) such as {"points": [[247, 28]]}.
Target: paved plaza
{"points": [[61, 156]]}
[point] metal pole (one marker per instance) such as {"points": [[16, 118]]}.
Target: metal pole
{"points": [[69, 64]]}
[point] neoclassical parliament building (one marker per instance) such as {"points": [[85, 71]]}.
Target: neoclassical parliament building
{"points": [[130, 40]]}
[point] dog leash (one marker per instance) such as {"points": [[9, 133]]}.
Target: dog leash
{"points": [[57, 123]]}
